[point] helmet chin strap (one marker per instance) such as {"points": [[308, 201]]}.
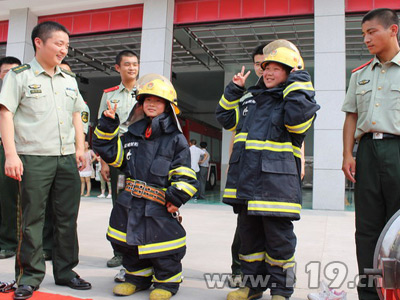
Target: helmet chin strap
{"points": [[175, 117]]}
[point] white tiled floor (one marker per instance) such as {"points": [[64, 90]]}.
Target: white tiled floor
{"points": [[325, 238]]}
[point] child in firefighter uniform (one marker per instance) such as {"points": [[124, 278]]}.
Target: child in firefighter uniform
{"points": [[264, 185], [155, 157]]}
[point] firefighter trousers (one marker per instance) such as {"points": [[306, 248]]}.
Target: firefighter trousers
{"points": [[164, 272], [267, 253]]}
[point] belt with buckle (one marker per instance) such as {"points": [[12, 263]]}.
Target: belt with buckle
{"points": [[381, 136], [140, 189]]}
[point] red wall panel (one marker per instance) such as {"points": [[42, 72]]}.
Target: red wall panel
{"points": [[230, 9], [277, 8], [119, 19], [196, 11], [367, 5], [136, 17], [301, 7], [253, 8], [3, 31], [100, 20], [208, 10], [185, 12]]}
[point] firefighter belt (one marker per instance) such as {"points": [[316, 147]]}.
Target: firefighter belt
{"points": [[140, 189]]}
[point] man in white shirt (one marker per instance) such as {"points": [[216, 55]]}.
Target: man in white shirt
{"points": [[204, 164], [195, 153]]}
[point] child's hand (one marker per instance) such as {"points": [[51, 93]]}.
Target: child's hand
{"points": [[171, 208], [240, 78], [110, 112]]}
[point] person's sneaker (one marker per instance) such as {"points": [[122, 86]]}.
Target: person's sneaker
{"points": [[108, 196], [160, 294], [6, 253], [101, 196], [125, 289], [120, 277], [116, 261], [235, 280], [244, 293], [327, 293]]}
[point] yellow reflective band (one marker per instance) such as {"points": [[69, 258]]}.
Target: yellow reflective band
{"points": [[269, 145], [271, 206], [301, 128], [273, 146], [115, 234], [184, 171], [176, 278], [120, 155], [297, 85], [162, 247], [230, 193], [283, 263], [236, 120], [240, 137], [101, 135], [188, 188], [260, 256], [297, 151], [144, 272], [228, 105]]}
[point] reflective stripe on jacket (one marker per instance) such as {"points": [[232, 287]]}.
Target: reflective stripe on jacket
{"points": [[264, 168], [161, 161]]}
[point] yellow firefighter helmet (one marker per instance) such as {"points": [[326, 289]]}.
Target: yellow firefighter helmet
{"points": [[157, 85], [284, 52]]}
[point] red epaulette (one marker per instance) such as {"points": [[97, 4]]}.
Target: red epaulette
{"points": [[114, 88], [362, 66]]}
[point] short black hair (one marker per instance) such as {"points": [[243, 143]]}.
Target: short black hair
{"points": [[44, 31], [386, 17], [193, 141], [257, 51], [203, 144], [9, 60], [128, 53]]}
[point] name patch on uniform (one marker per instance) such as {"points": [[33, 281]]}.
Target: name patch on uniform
{"points": [[364, 81], [85, 116], [250, 101], [71, 89], [35, 91], [131, 144]]}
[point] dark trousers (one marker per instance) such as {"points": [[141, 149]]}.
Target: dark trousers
{"points": [[8, 208], [48, 230], [54, 179], [140, 272], [114, 173], [267, 249], [377, 198], [202, 177], [235, 251]]}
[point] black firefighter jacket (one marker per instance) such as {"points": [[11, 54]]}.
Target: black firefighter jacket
{"points": [[270, 126], [162, 161]]}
